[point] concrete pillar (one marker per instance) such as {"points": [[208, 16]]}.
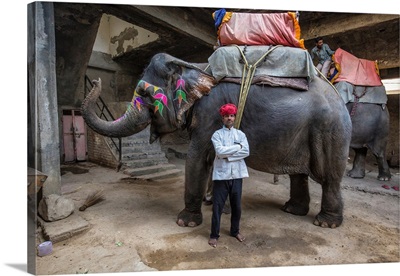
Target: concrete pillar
{"points": [[43, 134]]}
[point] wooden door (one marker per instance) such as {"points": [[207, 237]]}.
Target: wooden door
{"points": [[74, 136], [80, 136]]}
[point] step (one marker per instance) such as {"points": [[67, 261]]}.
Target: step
{"points": [[181, 154], [135, 142], [160, 175], [141, 149], [141, 135], [139, 163], [149, 169], [142, 155]]}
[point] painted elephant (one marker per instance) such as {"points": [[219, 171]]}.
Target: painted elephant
{"points": [[303, 134], [370, 119]]}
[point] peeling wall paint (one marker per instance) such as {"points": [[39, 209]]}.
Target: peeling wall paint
{"points": [[125, 39], [116, 36]]}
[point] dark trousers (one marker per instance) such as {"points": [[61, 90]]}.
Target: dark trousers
{"points": [[221, 190]]}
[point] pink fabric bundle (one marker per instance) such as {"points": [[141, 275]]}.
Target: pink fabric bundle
{"points": [[260, 29], [355, 70]]}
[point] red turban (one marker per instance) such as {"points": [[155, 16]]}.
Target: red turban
{"points": [[228, 109]]}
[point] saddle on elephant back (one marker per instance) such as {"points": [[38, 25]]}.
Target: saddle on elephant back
{"points": [[268, 51], [273, 65], [357, 80]]}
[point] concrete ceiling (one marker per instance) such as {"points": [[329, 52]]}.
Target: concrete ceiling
{"points": [[188, 32]]}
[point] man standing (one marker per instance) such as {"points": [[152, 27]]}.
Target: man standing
{"points": [[231, 147], [324, 55]]}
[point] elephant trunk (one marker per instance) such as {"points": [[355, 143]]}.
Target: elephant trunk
{"points": [[133, 121]]}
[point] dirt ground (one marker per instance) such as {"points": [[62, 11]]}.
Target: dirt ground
{"points": [[134, 229]]}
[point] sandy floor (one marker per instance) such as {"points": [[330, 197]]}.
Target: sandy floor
{"points": [[135, 228]]}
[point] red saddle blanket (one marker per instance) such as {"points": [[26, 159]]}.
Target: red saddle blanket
{"points": [[260, 29], [355, 70]]}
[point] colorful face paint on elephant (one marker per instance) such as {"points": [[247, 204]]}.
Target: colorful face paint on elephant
{"points": [[180, 91], [161, 99]]}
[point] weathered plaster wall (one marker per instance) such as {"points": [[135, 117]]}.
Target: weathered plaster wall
{"points": [[392, 151], [117, 37], [99, 152]]}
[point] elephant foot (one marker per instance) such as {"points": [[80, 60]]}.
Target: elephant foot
{"points": [[295, 208], [384, 176], [191, 219], [328, 221], [356, 173]]}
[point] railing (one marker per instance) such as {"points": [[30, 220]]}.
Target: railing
{"points": [[106, 115]]}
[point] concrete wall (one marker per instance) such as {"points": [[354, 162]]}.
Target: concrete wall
{"points": [[392, 150], [98, 150]]}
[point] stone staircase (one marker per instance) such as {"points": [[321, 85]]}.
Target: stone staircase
{"points": [[142, 160]]}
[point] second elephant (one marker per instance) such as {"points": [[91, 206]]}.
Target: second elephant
{"points": [[370, 119]]}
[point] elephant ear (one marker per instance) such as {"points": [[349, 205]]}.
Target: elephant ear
{"points": [[190, 84]]}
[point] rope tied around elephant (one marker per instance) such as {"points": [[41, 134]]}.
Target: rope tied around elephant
{"points": [[247, 77], [356, 100]]}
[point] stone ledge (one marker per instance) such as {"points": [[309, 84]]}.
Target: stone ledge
{"points": [[64, 229]]}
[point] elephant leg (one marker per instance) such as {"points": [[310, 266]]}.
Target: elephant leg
{"points": [[299, 201], [384, 172], [383, 167], [331, 214], [358, 170], [208, 196], [197, 171]]}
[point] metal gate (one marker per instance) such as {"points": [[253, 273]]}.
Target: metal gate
{"points": [[74, 136]]}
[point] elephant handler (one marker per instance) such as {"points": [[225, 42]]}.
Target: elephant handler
{"points": [[324, 54], [231, 147]]}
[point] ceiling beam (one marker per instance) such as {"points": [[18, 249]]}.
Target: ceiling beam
{"points": [[181, 29], [333, 24], [181, 21]]}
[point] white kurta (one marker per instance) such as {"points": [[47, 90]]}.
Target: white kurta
{"points": [[231, 147]]}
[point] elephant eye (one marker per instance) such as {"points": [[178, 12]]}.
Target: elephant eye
{"points": [[140, 89]]}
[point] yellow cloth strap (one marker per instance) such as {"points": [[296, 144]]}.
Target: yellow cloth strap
{"points": [[247, 77]]}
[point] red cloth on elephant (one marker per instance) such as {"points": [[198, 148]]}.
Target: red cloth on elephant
{"points": [[355, 70], [260, 29], [228, 109]]}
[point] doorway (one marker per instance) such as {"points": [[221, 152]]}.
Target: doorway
{"points": [[74, 136]]}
